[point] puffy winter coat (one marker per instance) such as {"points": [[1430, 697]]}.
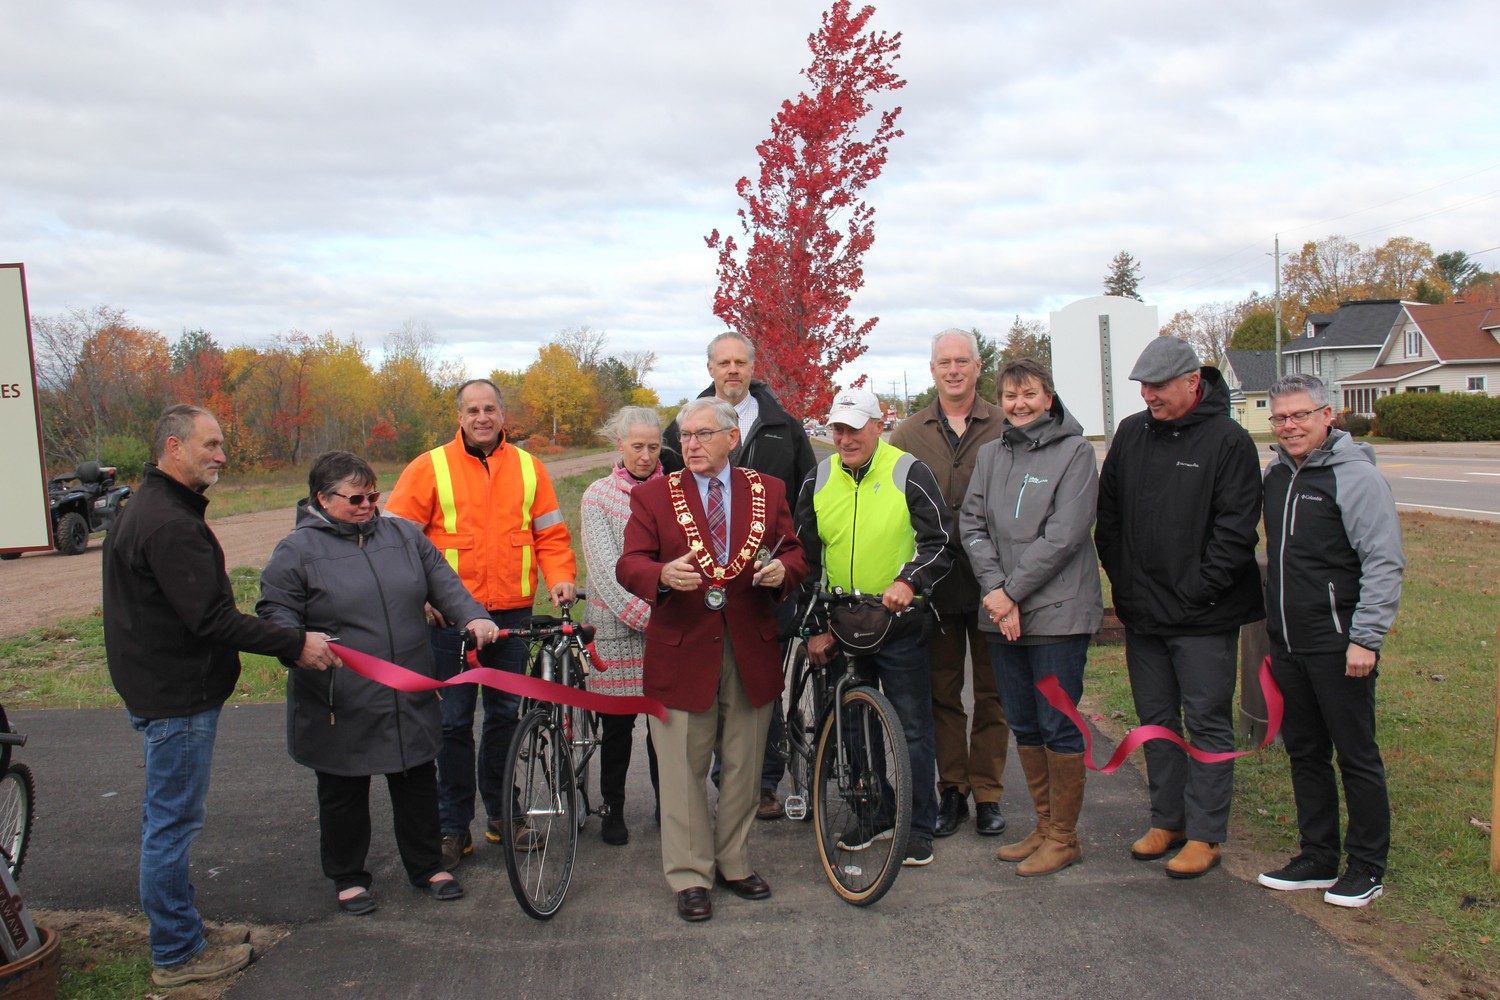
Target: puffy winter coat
{"points": [[366, 584]]}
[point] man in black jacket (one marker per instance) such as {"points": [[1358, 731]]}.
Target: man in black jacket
{"points": [[1179, 502], [1333, 550], [773, 443], [172, 636]]}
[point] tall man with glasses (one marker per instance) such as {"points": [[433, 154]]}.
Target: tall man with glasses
{"points": [[1334, 561], [489, 507], [1179, 501], [172, 636], [713, 549]]}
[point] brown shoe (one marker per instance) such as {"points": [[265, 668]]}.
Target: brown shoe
{"points": [[1193, 860], [770, 806], [454, 847], [694, 905], [1156, 843], [210, 963]]}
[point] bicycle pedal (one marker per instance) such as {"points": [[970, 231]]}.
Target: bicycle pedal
{"points": [[796, 807]]}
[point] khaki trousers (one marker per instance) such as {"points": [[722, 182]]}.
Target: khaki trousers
{"points": [[693, 844]]}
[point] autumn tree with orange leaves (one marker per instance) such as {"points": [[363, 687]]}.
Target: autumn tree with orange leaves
{"points": [[806, 227]]}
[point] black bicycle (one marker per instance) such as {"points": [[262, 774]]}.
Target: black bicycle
{"points": [[548, 762], [17, 799], [850, 769]]}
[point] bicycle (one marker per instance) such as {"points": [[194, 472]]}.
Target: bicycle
{"points": [[17, 800], [852, 764], [548, 761]]}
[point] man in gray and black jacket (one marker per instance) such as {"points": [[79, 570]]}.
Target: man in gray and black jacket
{"points": [[1334, 561]]}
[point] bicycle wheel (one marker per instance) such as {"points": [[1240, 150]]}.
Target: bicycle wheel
{"points": [[861, 796], [541, 768], [582, 730], [808, 685], [4, 747], [17, 799]]}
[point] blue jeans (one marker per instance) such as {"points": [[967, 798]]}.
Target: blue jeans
{"points": [[179, 757], [455, 761], [901, 668], [1018, 668]]}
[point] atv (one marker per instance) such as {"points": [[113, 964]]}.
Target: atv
{"points": [[82, 502]]}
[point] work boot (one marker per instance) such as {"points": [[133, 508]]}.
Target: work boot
{"points": [[1193, 860], [209, 963], [1034, 765], [1156, 843], [455, 846], [953, 809], [1065, 777]]}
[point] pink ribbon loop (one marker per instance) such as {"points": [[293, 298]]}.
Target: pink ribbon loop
{"points": [[1058, 699], [395, 676]]}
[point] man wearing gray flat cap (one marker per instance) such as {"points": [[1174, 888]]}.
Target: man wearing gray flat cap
{"points": [[1179, 502]]}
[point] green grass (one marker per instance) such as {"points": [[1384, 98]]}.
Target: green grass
{"points": [[1436, 714]]}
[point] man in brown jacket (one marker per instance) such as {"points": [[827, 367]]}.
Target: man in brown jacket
{"points": [[946, 436]]}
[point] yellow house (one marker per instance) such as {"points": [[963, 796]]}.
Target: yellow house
{"points": [[1250, 374]]}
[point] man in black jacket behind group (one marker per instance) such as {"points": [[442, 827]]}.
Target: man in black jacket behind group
{"points": [[773, 443], [172, 636], [1179, 506]]}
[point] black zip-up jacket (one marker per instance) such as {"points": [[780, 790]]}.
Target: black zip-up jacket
{"points": [[1333, 549], [172, 633], [1179, 506], [776, 446]]}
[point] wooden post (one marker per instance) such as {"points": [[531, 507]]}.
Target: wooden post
{"points": [[1495, 785]]}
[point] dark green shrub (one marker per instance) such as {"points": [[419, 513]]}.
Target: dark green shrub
{"points": [[1438, 416], [1357, 424], [127, 454]]}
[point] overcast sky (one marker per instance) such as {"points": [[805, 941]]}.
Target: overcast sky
{"points": [[500, 171]]}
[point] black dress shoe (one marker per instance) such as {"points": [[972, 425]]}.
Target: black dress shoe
{"points": [[752, 886], [613, 831], [694, 905], [988, 820], [952, 810]]}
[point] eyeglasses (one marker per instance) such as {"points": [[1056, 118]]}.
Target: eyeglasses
{"points": [[1296, 417], [702, 437], [359, 499]]}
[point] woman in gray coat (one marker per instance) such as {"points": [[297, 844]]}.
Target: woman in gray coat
{"points": [[347, 571], [1025, 525]]}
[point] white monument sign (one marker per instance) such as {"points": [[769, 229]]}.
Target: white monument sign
{"points": [[23, 487], [1095, 342]]}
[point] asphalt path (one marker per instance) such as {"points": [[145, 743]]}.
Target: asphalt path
{"points": [[1465, 482], [965, 926]]}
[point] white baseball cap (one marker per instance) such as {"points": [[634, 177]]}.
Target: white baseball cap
{"points": [[854, 408]]}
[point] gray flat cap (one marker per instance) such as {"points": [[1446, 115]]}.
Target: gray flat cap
{"points": [[1163, 359]]}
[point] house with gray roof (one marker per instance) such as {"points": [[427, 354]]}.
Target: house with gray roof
{"points": [[1454, 347], [1344, 342], [1250, 374]]}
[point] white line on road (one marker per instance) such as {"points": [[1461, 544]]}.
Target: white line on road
{"points": [[1460, 510], [1484, 473], [1428, 479]]}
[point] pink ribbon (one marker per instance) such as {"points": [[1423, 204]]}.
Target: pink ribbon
{"points": [[1058, 699], [395, 676]]}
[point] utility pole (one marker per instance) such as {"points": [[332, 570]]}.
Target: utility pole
{"points": [[1279, 372]]}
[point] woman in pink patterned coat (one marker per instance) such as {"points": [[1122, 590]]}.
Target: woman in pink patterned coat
{"points": [[618, 616]]}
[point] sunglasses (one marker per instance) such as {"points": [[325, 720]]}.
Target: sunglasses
{"points": [[358, 499]]}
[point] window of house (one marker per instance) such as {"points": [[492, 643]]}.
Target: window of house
{"points": [[1413, 343], [1317, 362], [1260, 404], [1424, 388], [1476, 383]]}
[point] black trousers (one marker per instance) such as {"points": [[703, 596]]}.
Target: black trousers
{"points": [[344, 824], [1327, 713], [614, 758]]}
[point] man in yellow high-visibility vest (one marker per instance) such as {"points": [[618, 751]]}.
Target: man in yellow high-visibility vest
{"points": [[490, 509]]}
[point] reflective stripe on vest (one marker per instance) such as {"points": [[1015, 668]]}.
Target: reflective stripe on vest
{"points": [[443, 478]]}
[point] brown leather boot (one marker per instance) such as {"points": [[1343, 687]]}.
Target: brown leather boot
{"points": [[1034, 764], [1193, 860], [1156, 843], [1066, 774]]}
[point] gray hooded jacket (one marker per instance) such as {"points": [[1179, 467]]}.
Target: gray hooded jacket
{"points": [[1026, 525], [366, 584]]}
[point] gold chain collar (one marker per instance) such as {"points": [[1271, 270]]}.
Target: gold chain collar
{"points": [[695, 537]]}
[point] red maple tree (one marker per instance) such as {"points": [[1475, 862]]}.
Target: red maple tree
{"points": [[806, 227]]}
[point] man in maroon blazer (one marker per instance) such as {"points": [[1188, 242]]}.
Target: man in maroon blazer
{"points": [[713, 549]]}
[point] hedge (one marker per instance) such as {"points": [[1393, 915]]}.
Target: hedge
{"points": [[1438, 416]]}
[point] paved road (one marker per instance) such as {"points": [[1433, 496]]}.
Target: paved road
{"points": [[963, 927], [1462, 484]]}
